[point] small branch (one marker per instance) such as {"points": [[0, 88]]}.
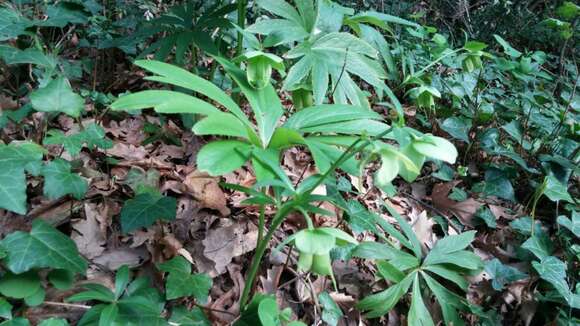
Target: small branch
{"points": [[67, 305]]}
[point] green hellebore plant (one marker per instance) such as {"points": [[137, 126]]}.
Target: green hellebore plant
{"points": [[324, 129]]}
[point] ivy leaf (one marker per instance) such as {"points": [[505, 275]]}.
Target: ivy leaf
{"points": [[502, 274], [43, 247], [145, 209], [12, 23], [93, 135], [13, 158], [556, 191], [194, 317], [58, 96], [497, 184], [59, 181], [331, 312], [553, 270], [181, 283], [5, 309], [572, 225], [19, 286], [457, 127], [540, 245]]}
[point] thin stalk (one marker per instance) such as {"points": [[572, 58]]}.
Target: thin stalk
{"points": [[434, 62], [241, 22], [261, 249]]}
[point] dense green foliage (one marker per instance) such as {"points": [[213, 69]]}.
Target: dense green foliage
{"points": [[378, 98]]}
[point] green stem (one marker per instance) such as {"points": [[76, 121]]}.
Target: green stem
{"points": [[261, 249], [241, 22], [434, 62]]}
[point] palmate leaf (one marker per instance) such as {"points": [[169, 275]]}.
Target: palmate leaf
{"points": [[145, 209], [264, 102], [181, 283], [335, 57], [58, 96], [449, 301], [194, 317], [59, 181], [43, 247]]}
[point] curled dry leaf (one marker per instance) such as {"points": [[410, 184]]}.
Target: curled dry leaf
{"points": [[207, 191], [463, 210], [226, 242], [423, 227], [87, 233], [128, 151], [113, 259]]}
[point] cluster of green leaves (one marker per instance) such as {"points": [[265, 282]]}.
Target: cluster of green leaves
{"points": [[137, 303], [448, 260], [325, 58], [24, 255]]}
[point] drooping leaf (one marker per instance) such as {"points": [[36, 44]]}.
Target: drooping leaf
{"points": [[43, 247], [145, 209], [58, 96], [508, 49]]}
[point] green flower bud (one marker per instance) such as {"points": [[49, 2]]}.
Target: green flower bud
{"points": [[259, 67], [305, 262], [258, 72], [322, 265]]}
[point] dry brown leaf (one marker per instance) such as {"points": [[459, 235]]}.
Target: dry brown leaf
{"points": [[114, 259], [423, 227], [88, 234], [224, 243], [462, 210], [207, 191], [128, 151]]}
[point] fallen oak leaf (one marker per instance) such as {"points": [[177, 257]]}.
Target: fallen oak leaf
{"points": [[464, 210], [224, 243], [206, 190]]}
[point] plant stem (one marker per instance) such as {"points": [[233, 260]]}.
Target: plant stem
{"points": [[261, 249], [241, 22]]}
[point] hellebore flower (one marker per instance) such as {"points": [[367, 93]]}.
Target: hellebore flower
{"points": [[314, 246]]}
